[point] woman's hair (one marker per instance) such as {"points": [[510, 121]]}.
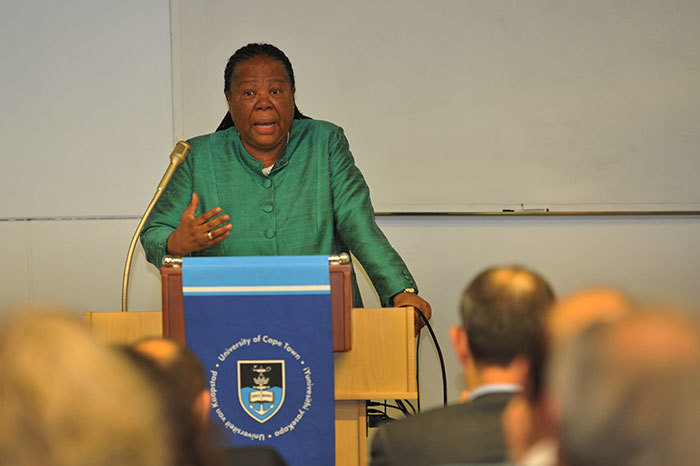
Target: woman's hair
{"points": [[246, 53]]}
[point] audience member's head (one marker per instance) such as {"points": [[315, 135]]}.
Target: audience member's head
{"points": [[501, 310], [570, 316], [581, 309], [184, 368], [179, 378], [629, 392], [66, 400], [529, 419]]}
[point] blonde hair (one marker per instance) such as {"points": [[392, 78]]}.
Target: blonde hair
{"points": [[66, 400]]}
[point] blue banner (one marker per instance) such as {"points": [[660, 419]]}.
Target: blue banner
{"points": [[262, 328]]}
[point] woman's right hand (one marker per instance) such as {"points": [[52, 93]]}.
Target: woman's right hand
{"points": [[197, 233]]}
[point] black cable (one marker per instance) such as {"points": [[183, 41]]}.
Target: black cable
{"points": [[373, 405], [379, 411], [416, 409], [377, 419], [413, 408], [418, 369], [439, 351], [402, 407]]}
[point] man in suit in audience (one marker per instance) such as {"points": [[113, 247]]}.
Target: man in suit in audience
{"points": [[501, 310], [627, 392]]}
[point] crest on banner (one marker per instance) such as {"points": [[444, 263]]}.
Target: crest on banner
{"points": [[261, 387]]}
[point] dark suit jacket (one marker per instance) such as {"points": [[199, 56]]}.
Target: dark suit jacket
{"points": [[250, 456], [462, 433]]}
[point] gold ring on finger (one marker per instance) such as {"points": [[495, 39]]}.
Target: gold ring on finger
{"points": [[209, 235]]}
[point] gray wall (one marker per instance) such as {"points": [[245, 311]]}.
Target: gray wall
{"points": [[480, 105], [76, 256], [79, 262], [86, 105], [656, 258]]}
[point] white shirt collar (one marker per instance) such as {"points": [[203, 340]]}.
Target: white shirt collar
{"points": [[489, 388]]}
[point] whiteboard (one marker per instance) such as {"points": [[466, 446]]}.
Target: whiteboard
{"points": [[478, 105], [86, 92]]}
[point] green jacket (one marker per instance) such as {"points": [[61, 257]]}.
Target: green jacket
{"points": [[315, 201]]}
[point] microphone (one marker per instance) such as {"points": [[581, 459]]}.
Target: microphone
{"points": [[177, 157]]}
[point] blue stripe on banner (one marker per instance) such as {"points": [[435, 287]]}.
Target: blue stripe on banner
{"points": [[255, 271]]}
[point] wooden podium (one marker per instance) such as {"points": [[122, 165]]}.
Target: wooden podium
{"points": [[379, 364], [341, 303]]}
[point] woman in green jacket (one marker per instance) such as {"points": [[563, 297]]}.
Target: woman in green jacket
{"points": [[271, 181]]}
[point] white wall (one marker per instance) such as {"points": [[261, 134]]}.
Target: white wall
{"points": [[86, 94], [649, 257], [480, 105], [80, 261], [86, 127]]}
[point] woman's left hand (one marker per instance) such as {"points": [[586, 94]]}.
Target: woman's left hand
{"points": [[405, 298]]}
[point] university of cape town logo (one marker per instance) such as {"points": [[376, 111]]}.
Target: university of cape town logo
{"points": [[261, 388]]}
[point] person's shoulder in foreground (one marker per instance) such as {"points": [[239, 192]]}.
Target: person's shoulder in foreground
{"points": [[467, 432], [250, 456]]}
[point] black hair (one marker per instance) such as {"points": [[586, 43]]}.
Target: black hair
{"points": [[246, 53]]}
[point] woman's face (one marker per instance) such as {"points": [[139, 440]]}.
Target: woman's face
{"points": [[261, 102]]}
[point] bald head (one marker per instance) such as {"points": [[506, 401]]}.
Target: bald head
{"points": [[581, 309], [514, 280], [654, 341], [628, 391], [502, 310], [177, 362], [164, 352]]}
